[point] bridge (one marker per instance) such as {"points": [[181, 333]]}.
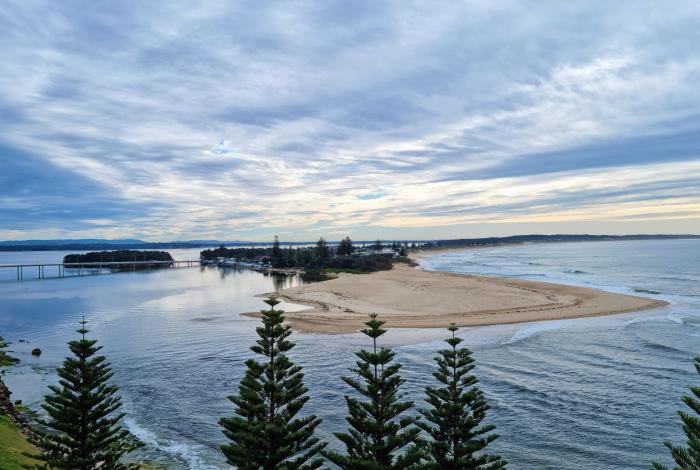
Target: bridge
{"points": [[60, 270]]}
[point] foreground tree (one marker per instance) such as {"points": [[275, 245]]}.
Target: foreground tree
{"points": [[265, 432], [688, 458], [379, 438], [457, 410], [83, 415]]}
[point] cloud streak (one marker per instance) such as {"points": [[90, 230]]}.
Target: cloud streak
{"points": [[406, 119]]}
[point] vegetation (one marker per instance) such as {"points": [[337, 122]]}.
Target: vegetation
{"points": [[83, 415], [277, 256], [457, 409], [688, 458], [119, 257], [14, 447], [345, 247], [314, 260], [364, 264], [380, 435], [237, 252], [322, 250], [265, 432], [5, 359]]}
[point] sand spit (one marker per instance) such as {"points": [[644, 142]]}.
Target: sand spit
{"points": [[407, 297]]}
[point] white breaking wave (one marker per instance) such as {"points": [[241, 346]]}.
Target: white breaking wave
{"points": [[189, 453]]}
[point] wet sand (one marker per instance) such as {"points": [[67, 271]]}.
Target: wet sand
{"points": [[408, 297]]}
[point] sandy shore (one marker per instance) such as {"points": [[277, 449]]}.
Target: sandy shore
{"points": [[407, 297]]}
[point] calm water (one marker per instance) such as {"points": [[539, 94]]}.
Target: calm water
{"points": [[597, 393]]}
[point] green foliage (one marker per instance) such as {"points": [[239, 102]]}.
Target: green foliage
{"points": [[345, 247], [83, 425], [238, 253], [322, 251], [312, 259], [688, 458], [5, 359], [344, 270], [304, 257], [14, 447], [379, 437], [365, 264], [264, 432], [278, 260], [454, 419], [118, 256]]}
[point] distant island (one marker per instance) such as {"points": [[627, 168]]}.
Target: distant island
{"points": [[116, 259], [314, 261]]}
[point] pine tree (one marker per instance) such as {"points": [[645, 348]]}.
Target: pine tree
{"points": [[277, 255], [322, 248], [264, 432], [83, 415], [379, 437], [345, 247], [457, 409], [688, 458]]}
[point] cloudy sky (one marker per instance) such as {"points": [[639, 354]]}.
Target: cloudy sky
{"points": [[391, 119]]}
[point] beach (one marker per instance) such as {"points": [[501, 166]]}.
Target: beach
{"points": [[409, 297]]}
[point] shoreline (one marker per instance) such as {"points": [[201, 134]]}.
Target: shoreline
{"points": [[407, 297]]}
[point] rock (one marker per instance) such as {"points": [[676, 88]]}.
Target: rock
{"points": [[18, 402], [36, 352]]}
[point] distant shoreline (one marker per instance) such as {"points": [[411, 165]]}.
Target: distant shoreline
{"points": [[407, 297], [78, 245]]}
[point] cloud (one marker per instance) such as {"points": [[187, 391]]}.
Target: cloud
{"points": [[241, 119]]}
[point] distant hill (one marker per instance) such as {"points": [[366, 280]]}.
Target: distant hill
{"points": [[77, 241], [552, 238], [89, 244]]}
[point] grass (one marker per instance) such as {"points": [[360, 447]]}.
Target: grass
{"points": [[12, 445], [345, 270]]}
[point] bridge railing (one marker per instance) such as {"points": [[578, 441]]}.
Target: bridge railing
{"points": [[23, 271]]}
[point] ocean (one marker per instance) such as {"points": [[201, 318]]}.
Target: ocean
{"points": [[594, 393]]}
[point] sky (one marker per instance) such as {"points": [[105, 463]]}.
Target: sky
{"points": [[239, 120]]}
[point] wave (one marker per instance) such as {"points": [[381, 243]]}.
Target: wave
{"points": [[529, 331], [188, 453], [574, 271], [647, 291], [661, 347], [674, 278]]}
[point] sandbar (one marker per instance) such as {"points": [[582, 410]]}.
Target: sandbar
{"points": [[409, 297]]}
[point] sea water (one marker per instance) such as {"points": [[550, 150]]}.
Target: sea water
{"points": [[594, 393]]}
